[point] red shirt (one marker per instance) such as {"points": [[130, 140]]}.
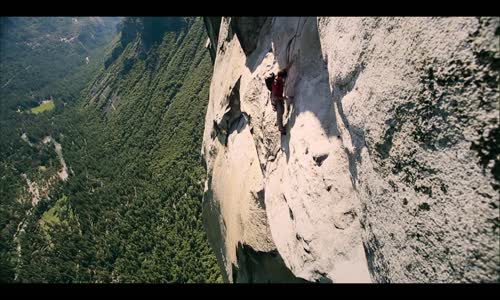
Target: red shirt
{"points": [[278, 87]]}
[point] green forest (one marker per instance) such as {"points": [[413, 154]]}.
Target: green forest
{"points": [[130, 126]]}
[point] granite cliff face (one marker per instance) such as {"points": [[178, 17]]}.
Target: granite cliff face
{"points": [[389, 169]]}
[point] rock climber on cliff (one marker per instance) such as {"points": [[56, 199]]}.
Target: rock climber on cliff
{"points": [[278, 99], [275, 84]]}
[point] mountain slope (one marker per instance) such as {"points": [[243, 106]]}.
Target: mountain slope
{"points": [[131, 208]]}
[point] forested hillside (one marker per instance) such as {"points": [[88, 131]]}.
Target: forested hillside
{"points": [[130, 208]]}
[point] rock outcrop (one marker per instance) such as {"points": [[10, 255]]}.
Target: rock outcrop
{"points": [[389, 169]]}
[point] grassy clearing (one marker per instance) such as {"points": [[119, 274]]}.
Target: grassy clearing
{"points": [[45, 106], [51, 216]]}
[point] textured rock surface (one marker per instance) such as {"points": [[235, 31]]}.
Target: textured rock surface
{"points": [[388, 171]]}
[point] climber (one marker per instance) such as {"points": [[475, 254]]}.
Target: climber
{"points": [[278, 99], [275, 84]]}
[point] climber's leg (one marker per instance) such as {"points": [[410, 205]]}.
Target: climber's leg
{"points": [[288, 102], [280, 109]]}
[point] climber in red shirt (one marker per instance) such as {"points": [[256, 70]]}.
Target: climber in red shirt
{"points": [[278, 98]]}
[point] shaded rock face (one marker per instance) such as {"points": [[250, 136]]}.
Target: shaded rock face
{"points": [[247, 30], [261, 267], [212, 25], [389, 168]]}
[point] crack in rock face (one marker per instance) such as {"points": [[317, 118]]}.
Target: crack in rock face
{"points": [[387, 172]]}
